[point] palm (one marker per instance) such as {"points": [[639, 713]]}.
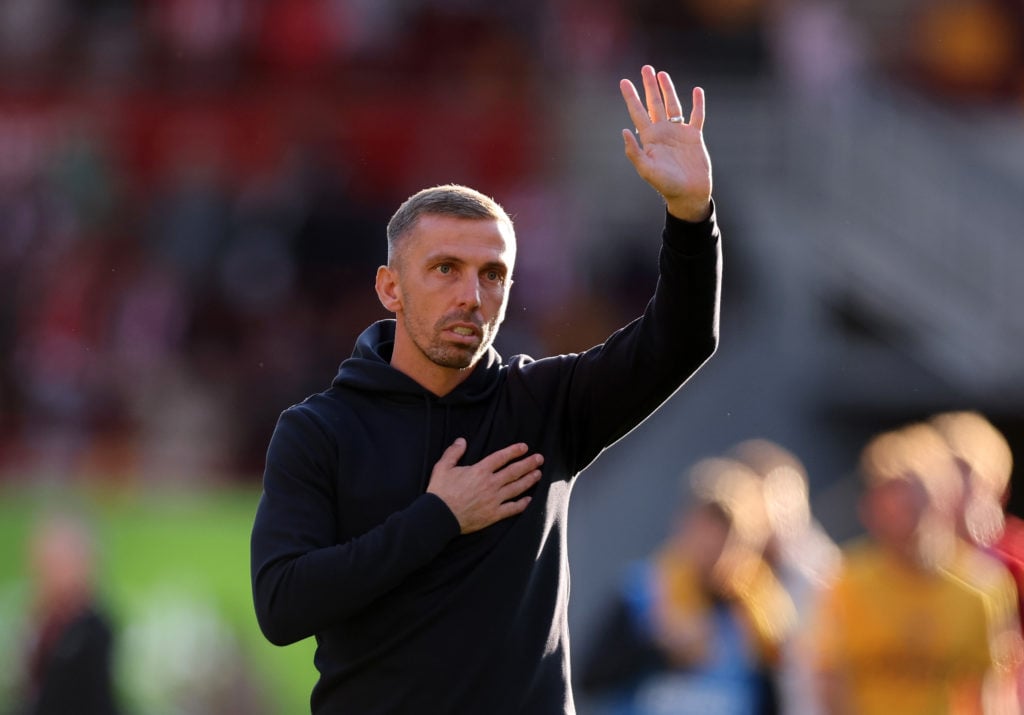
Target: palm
{"points": [[670, 155], [674, 160]]}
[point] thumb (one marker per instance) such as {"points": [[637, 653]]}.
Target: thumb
{"points": [[632, 146], [454, 453]]}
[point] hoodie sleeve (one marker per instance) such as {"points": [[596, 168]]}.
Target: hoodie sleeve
{"points": [[304, 581], [615, 386]]}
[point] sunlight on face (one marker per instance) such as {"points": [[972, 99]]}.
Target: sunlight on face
{"points": [[454, 280]]}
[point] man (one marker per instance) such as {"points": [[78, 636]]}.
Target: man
{"points": [[413, 515], [984, 462], [801, 554], [697, 627], [69, 663], [896, 632]]}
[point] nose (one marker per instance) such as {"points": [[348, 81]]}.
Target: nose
{"points": [[469, 292]]}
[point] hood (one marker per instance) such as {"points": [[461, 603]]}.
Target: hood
{"points": [[369, 370]]}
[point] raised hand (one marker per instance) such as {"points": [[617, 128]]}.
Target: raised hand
{"points": [[668, 151], [486, 492]]}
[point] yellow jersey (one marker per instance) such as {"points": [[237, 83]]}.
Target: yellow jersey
{"points": [[899, 639]]}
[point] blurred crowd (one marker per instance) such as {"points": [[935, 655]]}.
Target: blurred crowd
{"points": [[67, 650], [193, 192], [749, 607], [193, 196]]}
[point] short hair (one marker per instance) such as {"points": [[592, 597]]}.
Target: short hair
{"points": [[915, 450], [976, 441], [734, 491], [444, 200], [785, 481]]}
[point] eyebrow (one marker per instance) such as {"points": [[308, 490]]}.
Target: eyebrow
{"points": [[448, 258]]}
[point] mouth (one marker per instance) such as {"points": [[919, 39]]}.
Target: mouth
{"points": [[464, 332]]}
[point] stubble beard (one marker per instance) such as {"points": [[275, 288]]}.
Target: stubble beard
{"points": [[448, 355]]}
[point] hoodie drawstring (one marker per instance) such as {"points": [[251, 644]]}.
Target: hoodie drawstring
{"points": [[426, 445], [427, 467]]}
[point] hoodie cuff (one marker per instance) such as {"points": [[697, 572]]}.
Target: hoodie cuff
{"points": [[689, 238], [443, 522]]}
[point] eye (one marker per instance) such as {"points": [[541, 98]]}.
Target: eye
{"points": [[493, 276], [444, 268]]}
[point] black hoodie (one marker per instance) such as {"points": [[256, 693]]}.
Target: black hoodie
{"points": [[409, 615]]}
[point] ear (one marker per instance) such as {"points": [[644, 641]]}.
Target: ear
{"points": [[388, 291]]}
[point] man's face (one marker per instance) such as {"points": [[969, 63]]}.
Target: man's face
{"points": [[896, 509], [452, 277], [705, 538]]}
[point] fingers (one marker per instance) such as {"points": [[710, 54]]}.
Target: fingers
{"points": [[517, 486], [488, 491], [668, 90], [518, 475], [519, 469], [636, 110], [652, 93], [511, 508], [662, 101], [633, 151], [453, 454], [697, 115], [496, 460]]}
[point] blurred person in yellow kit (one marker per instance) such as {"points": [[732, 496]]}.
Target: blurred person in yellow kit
{"points": [[703, 619], [802, 555], [984, 462], [896, 633], [68, 663]]}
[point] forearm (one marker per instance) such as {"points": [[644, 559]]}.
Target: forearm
{"points": [[618, 384], [688, 296], [309, 570], [679, 328], [298, 593]]}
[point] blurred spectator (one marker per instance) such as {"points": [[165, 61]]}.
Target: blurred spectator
{"points": [[985, 462], [966, 49], [185, 185], [698, 626], [724, 37], [69, 657], [191, 234], [200, 37], [817, 50], [896, 633], [299, 36], [987, 559], [803, 556], [30, 32], [587, 37]]}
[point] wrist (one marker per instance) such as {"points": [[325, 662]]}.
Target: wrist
{"points": [[690, 211]]}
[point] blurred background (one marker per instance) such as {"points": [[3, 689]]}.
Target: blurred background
{"points": [[193, 196]]}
